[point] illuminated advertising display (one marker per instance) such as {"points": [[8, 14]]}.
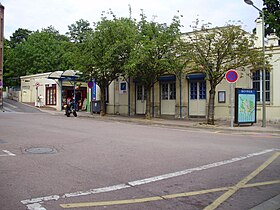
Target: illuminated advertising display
{"points": [[245, 106]]}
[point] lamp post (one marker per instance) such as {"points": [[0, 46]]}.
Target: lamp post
{"points": [[249, 2]]}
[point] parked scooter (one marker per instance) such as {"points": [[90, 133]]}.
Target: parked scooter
{"points": [[70, 108]]}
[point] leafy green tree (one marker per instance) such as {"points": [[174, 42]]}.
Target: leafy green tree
{"points": [[9, 76], [105, 51], [180, 58], [41, 52], [154, 54], [272, 16], [55, 33], [78, 30], [19, 36], [216, 50]]}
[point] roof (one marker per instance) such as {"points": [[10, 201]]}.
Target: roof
{"points": [[67, 74]]}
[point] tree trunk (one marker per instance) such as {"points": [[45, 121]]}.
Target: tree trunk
{"points": [[102, 101], [148, 103], [211, 107]]}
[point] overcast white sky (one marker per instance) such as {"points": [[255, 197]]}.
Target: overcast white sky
{"points": [[38, 14]]}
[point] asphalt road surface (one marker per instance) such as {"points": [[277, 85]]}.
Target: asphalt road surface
{"points": [[53, 162], [13, 106]]}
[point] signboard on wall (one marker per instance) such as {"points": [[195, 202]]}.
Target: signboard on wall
{"points": [[245, 106], [93, 90], [123, 87]]}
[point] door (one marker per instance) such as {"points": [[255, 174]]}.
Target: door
{"points": [[197, 98], [168, 98], [140, 99], [26, 95]]}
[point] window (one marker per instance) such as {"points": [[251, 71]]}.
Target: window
{"points": [[257, 85], [172, 91], [168, 91], [193, 90], [202, 90], [141, 93], [51, 95], [164, 91]]}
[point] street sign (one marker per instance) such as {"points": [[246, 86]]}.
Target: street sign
{"points": [[90, 84], [37, 84], [232, 76]]}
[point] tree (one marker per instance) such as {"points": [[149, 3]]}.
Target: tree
{"points": [[272, 16], [215, 51], [154, 54], [40, 52], [78, 30], [105, 51], [19, 36], [9, 77]]}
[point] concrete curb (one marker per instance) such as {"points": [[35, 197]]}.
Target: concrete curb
{"points": [[163, 122], [271, 204], [178, 124]]}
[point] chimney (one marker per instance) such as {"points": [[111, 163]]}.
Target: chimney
{"points": [[259, 32]]}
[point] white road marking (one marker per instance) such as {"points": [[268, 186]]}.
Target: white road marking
{"points": [[8, 153], [6, 109], [36, 203]]}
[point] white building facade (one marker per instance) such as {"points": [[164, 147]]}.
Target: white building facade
{"points": [[169, 97], [130, 98]]}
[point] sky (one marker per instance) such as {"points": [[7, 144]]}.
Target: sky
{"points": [[37, 14]]}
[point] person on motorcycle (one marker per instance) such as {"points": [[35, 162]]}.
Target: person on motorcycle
{"points": [[70, 108]]}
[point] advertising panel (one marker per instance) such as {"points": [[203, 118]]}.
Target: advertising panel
{"points": [[93, 90], [245, 106]]}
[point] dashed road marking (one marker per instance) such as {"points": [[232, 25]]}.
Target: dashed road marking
{"points": [[8, 153], [242, 183], [36, 203], [163, 197]]}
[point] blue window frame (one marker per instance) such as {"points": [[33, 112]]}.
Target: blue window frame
{"points": [[257, 85], [202, 90], [193, 88]]}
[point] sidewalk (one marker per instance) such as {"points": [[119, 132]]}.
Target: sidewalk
{"points": [[220, 125]]}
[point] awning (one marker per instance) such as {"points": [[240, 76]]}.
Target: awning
{"points": [[167, 78], [55, 75], [65, 75], [197, 76]]}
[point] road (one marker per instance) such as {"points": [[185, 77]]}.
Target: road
{"points": [[13, 106], [54, 162]]}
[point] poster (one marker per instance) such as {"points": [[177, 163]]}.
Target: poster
{"points": [[245, 106], [93, 90], [123, 87]]}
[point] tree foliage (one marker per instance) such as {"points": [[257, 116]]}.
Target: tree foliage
{"points": [[154, 54], [39, 52], [105, 51], [19, 36], [78, 30], [216, 50], [272, 16]]}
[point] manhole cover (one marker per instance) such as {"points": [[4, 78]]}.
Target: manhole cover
{"points": [[41, 150]]}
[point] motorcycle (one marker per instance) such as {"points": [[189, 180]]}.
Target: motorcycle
{"points": [[70, 108]]}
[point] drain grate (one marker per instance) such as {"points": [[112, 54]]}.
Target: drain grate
{"points": [[41, 150]]}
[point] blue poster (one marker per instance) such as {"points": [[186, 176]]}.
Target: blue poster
{"points": [[245, 105], [93, 90]]}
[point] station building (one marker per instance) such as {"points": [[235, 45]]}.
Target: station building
{"points": [[169, 97], [129, 98]]}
